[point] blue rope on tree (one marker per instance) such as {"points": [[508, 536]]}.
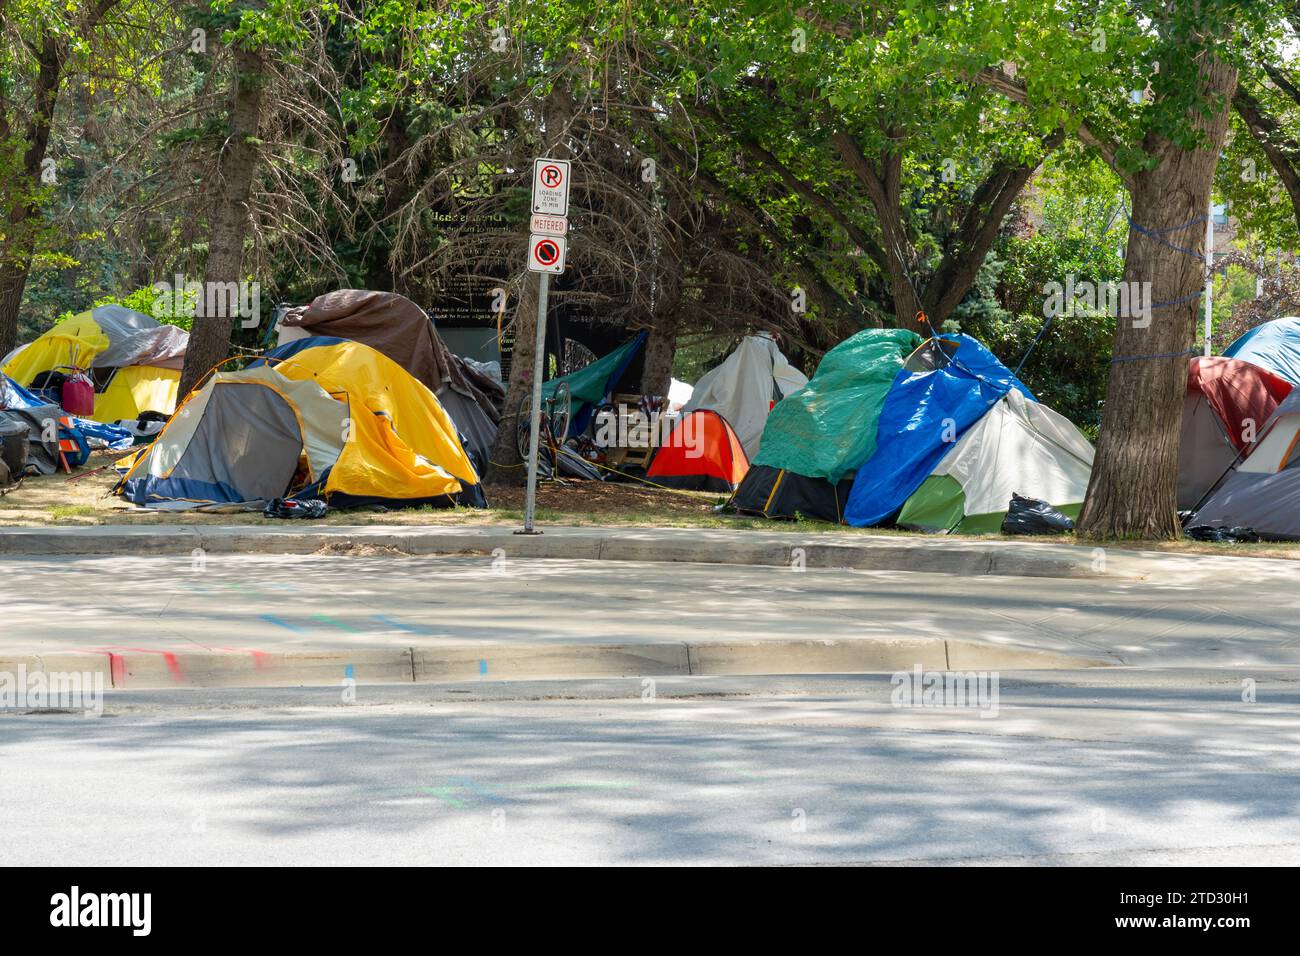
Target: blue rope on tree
{"points": [[1159, 234]]}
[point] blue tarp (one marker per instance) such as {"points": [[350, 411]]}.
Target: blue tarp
{"points": [[13, 395], [924, 414], [1274, 346]]}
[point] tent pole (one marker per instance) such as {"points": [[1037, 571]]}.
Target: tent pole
{"points": [[539, 364]]}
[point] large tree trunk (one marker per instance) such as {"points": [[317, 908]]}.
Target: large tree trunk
{"points": [[506, 467], [660, 347], [22, 219], [235, 170], [1132, 493]]}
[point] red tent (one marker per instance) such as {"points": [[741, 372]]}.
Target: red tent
{"points": [[701, 454], [1228, 401]]}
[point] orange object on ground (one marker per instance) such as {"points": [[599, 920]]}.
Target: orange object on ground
{"points": [[701, 454]]}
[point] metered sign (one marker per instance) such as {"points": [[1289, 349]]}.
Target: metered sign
{"points": [[546, 254]]}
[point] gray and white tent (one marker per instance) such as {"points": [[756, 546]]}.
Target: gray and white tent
{"points": [[1262, 490], [743, 388]]}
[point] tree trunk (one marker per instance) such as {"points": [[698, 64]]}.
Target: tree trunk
{"points": [[234, 173], [660, 347], [884, 187], [506, 467], [23, 218], [1132, 492]]}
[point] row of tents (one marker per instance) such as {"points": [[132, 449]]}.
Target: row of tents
{"points": [[362, 402], [937, 435]]}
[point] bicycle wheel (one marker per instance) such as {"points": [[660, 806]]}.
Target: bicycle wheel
{"points": [[522, 427], [561, 406]]}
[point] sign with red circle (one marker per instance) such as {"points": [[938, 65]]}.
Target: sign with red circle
{"points": [[546, 254], [551, 186]]}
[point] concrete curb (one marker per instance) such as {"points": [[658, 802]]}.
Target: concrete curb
{"points": [[761, 548], [148, 670]]}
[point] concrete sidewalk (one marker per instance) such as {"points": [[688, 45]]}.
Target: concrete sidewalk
{"points": [[810, 549], [261, 620]]}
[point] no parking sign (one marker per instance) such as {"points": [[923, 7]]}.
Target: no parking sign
{"points": [[546, 254]]}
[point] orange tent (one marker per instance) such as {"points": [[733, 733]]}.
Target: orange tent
{"points": [[701, 454]]}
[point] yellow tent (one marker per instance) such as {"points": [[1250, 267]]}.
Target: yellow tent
{"points": [[134, 360], [333, 420], [389, 408]]}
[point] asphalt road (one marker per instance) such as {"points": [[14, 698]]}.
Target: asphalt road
{"points": [[1121, 767]]}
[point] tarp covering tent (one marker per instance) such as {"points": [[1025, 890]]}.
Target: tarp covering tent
{"points": [[1017, 447], [43, 418], [19, 405], [1262, 490], [701, 453], [134, 360], [815, 439], [1273, 346], [1228, 402], [400, 329], [400, 411], [298, 430], [743, 387], [948, 384], [589, 385]]}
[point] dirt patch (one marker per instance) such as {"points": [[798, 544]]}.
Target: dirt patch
{"points": [[361, 550], [54, 500]]}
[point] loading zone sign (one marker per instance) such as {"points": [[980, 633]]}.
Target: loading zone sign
{"points": [[551, 186], [546, 254]]}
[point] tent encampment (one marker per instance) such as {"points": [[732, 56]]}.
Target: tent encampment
{"points": [[743, 387], [1228, 401], [815, 439], [400, 329], [332, 420], [134, 360], [936, 434], [947, 386], [1273, 346], [701, 453], [1262, 490]]}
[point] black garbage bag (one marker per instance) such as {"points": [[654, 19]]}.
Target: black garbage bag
{"points": [[1203, 532], [1031, 516], [289, 508]]}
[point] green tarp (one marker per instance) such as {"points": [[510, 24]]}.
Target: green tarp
{"points": [[589, 384], [828, 428]]}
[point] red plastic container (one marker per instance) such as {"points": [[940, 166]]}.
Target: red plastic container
{"points": [[78, 396]]}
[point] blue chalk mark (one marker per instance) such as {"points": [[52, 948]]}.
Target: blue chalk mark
{"points": [[279, 622], [385, 619], [482, 668]]}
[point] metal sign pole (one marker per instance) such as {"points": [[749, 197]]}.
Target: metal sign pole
{"points": [[1209, 274], [534, 429]]}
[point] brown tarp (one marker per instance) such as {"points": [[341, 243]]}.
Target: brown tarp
{"points": [[396, 326]]}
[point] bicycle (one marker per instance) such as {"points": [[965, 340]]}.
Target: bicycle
{"points": [[552, 430]]}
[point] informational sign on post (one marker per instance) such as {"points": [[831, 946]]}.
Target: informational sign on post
{"points": [[544, 225], [546, 250], [551, 186], [546, 254]]}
